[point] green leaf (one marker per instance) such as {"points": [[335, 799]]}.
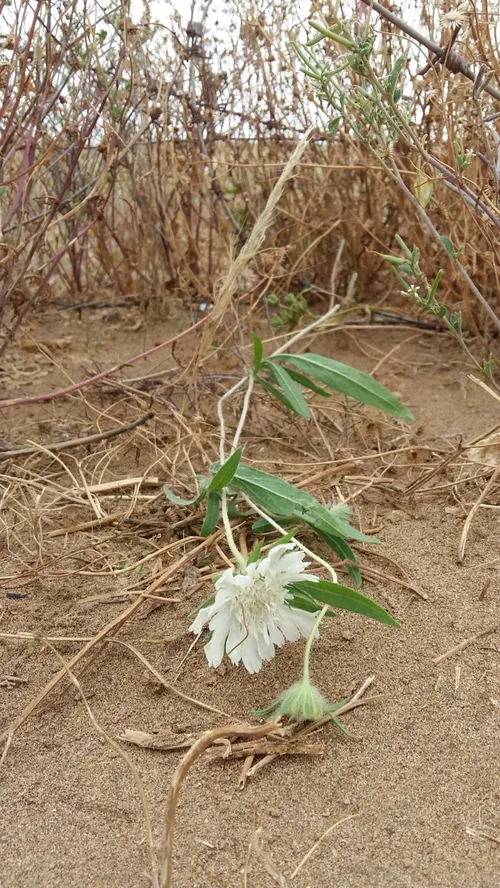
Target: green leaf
{"points": [[273, 494], [405, 268], [285, 539], [447, 244], [255, 553], [435, 284], [225, 474], [263, 526], [258, 352], [221, 479], [306, 603], [396, 71], [344, 598], [280, 498], [350, 381], [406, 250], [489, 367], [232, 510], [212, 516], [333, 126], [344, 552], [308, 383], [290, 389], [274, 391], [393, 260], [328, 520]]}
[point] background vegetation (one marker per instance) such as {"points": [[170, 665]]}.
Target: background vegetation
{"points": [[137, 153]]}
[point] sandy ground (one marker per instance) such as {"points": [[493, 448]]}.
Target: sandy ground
{"points": [[418, 777]]}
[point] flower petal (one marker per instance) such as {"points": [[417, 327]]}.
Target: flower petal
{"points": [[303, 620], [202, 617], [276, 635], [288, 627], [220, 618], [234, 641], [214, 650], [252, 660], [265, 646]]}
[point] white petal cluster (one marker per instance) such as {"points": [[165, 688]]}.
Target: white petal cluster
{"points": [[251, 615], [456, 18]]}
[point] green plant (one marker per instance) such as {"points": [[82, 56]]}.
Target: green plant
{"points": [[268, 599], [291, 310]]}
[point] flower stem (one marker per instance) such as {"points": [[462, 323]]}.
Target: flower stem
{"points": [[229, 532], [220, 412], [294, 540], [244, 411], [307, 652], [249, 380]]}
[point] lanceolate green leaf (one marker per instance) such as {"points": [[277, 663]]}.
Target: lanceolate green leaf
{"points": [[447, 244], [344, 598], [222, 477], [255, 553], [308, 383], [284, 539], [278, 497], [212, 515], [350, 381], [325, 519], [344, 551], [258, 351], [263, 526], [273, 494], [273, 391], [290, 389], [304, 602], [225, 474]]}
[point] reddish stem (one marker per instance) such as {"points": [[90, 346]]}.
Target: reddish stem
{"points": [[49, 396]]}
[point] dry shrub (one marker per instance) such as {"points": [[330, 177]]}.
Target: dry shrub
{"points": [[136, 156]]}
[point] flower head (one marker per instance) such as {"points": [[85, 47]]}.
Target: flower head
{"points": [[456, 18], [413, 291], [251, 614]]}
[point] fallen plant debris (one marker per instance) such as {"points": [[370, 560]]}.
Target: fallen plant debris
{"points": [[168, 742]]}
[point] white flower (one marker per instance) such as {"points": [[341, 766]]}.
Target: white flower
{"points": [[412, 291], [456, 18], [251, 615]]}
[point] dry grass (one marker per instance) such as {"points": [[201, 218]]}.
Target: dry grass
{"points": [[146, 201]]}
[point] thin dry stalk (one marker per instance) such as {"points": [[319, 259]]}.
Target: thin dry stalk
{"points": [[464, 644], [470, 516], [76, 442], [179, 775], [321, 839], [251, 248]]}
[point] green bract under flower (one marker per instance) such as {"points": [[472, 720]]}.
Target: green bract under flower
{"points": [[302, 702]]}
